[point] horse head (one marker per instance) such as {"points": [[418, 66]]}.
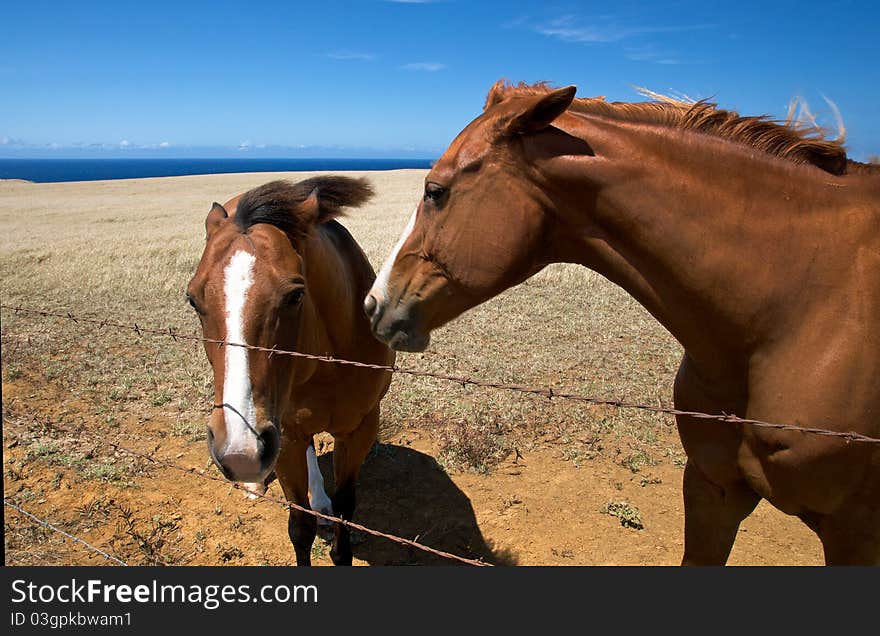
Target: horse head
{"points": [[480, 227], [252, 293]]}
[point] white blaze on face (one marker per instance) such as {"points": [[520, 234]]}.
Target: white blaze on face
{"points": [[380, 287], [237, 393]]}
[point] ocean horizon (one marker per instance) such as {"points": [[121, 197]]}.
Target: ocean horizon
{"points": [[64, 170]]}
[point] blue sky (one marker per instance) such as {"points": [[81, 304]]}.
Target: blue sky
{"points": [[384, 78]]}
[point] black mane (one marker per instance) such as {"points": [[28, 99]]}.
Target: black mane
{"points": [[279, 203]]}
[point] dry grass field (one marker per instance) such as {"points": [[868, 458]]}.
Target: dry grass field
{"points": [[484, 473]]}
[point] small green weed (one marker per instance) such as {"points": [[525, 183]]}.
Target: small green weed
{"points": [[629, 515]]}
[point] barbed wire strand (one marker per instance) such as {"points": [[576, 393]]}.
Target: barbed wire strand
{"points": [[850, 436], [287, 504], [76, 539]]}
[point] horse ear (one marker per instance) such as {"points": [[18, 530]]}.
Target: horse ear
{"points": [[310, 208], [329, 194], [541, 112], [215, 216]]}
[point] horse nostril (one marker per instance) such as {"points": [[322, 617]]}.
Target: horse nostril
{"points": [[269, 442], [370, 305]]}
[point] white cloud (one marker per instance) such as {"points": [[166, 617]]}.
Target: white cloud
{"points": [[430, 67], [245, 145], [567, 29], [570, 28], [153, 146], [125, 143], [351, 55], [650, 54]]}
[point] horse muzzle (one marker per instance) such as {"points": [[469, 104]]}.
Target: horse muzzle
{"points": [[397, 326], [251, 462]]}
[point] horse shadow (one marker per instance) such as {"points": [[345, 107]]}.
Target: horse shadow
{"points": [[406, 493]]}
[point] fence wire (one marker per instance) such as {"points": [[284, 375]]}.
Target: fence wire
{"points": [[547, 392], [73, 538]]}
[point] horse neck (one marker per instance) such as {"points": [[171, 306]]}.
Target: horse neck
{"points": [[327, 321], [710, 238]]}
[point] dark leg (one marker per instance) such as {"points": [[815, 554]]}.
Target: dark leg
{"points": [[851, 536], [349, 453], [712, 515], [713, 508], [294, 478]]}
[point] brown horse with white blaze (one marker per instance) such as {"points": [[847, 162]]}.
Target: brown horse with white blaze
{"points": [[745, 238], [279, 272]]}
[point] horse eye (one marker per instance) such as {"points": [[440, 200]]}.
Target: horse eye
{"points": [[192, 303], [294, 297], [434, 191]]}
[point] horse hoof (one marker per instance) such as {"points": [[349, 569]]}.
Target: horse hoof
{"points": [[341, 558]]}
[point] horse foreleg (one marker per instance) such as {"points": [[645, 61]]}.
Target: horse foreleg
{"points": [[293, 474], [349, 452], [712, 515], [851, 536]]}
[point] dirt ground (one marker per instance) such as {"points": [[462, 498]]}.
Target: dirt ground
{"points": [[533, 509]]}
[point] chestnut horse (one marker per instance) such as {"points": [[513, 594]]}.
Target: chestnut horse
{"points": [[738, 234], [279, 271]]}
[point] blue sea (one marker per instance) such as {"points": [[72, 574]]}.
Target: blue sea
{"points": [[54, 170]]}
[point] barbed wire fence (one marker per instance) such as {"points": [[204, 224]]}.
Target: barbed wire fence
{"points": [[547, 392]]}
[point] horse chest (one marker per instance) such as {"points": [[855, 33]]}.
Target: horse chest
{"points": [[333, 408]]}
